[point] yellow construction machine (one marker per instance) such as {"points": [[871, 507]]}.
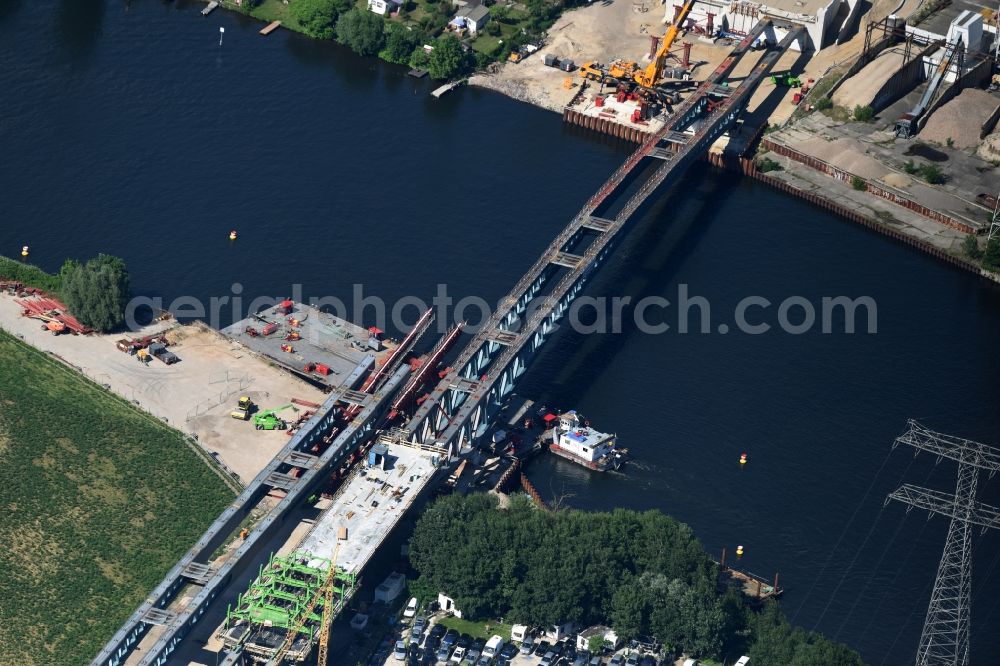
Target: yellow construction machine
{"points": [[592, 71], [648, 77]]}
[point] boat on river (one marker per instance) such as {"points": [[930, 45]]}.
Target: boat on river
{"points": [[574, 440]]}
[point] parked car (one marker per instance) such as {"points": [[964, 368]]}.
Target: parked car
{"points": [[633, 659], [648, 660], [484, 661], [493, 646], [617, 660], [475, 650], [443, 653], [465, 640], [432, 644], [420, 622], [509, 651], [548, 659], [411, 608], [582, 658], [542, 648], [596, 660], [450, 638], [558, 648], [399, 654], [438, 630], [528, 646], [458, 655]]}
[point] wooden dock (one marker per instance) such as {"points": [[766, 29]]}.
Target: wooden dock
{"points": [[270, 27], [211, 7], [446, 88], [751, 585]]}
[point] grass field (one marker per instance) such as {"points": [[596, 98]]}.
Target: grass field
{"points": [[97, 502], [477, 629]]}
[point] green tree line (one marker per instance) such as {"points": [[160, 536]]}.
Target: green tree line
{"points": [[368, 34], [645, 573]]}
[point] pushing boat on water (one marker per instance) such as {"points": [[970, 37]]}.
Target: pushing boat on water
{"points": [[574, 439]]}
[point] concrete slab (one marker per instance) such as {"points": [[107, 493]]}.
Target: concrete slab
{"points": [[368, 506]]}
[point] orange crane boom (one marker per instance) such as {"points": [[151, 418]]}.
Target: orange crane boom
{"points": [[648, 77]]}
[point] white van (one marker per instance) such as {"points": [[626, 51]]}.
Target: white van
{"points": [[411, 608], [518, 633], [493, 646]]}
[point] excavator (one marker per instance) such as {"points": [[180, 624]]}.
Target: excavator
{"points": [[269, 419]]}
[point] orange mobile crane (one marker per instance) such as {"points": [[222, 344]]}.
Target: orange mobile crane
{"points": [[648, 77]]}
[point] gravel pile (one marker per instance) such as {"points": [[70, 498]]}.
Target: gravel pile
{"points": [[861, 89], [846, 154], [961, 119]]}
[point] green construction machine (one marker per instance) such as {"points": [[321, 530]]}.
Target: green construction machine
{"points": [[269, 419], [786, 79]]}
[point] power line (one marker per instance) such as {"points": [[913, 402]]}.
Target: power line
{"points": [[833, 550], [945, 636]]}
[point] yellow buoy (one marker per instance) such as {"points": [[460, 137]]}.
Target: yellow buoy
{"points": [[739, 551], [24, 251], [232, 235], [743, 459]]}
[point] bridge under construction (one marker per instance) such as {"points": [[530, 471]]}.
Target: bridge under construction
{"points": [[467, 398]]}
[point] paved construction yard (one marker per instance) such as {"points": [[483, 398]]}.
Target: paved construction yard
{"points": [[195, 395]]}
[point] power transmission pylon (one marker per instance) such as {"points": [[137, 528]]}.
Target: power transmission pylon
{"points": [[995, 218], [945, 637]]}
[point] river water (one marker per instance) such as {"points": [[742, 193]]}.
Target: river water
{"points": [[127, 129]]}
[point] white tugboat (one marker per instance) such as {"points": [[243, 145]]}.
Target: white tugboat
{"points": [[574, 439]]}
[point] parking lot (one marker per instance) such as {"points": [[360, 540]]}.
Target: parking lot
{"points": [[428, 651]]}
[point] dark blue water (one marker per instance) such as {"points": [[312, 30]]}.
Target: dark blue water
{"points": [[126, 129]]}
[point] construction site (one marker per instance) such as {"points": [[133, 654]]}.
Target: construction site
{"points": [[315, 345], [922, 77], [282, 613]]}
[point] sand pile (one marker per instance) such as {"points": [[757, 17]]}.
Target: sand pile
{"points": [[961, 119], [843, 153], [899, 180], [861, 89], [989, 149]]}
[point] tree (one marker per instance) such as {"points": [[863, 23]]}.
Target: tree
{"points": [[362, 31], [317, 17], [97, 292], [932, 174], [971, 247], [991, 258], [448, 59], [399, 43], [419, 58], [863, 113]]}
